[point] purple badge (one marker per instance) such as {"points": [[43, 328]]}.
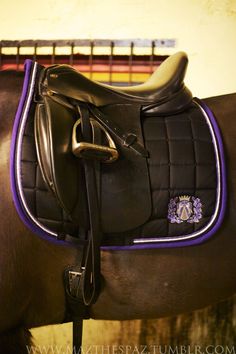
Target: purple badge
{"points": [[184, 208]]}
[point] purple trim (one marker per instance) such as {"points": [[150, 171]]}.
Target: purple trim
{"points": [[200, 239], [28, 67]]}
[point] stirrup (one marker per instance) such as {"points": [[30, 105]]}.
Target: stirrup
{"points": [[82, 149]]}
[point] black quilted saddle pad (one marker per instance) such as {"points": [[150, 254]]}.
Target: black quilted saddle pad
{"points": [[186, 173]]}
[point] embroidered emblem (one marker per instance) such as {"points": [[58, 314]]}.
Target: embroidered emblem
{"points": [[184, 208]]}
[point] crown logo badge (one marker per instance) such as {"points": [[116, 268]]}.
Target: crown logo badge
{"points": [[184, 208], [184, 197]]}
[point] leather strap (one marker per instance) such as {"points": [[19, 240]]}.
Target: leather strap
{"points": [[91, 278], [126, 139], [77, 336], [83, 280]]}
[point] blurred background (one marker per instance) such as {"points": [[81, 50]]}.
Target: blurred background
{"points": [[139, 36], [205, 29]]}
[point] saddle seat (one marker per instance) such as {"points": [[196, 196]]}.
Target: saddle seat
{"points": [[165, 85]]}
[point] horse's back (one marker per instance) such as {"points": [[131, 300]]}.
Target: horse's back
{"points": [[224, 109]]}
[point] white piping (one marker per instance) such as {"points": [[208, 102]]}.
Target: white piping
{"points": [[214, 216], [135, 241], [19, 150]]}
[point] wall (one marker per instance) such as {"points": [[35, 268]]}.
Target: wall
{"points": [[205, 29]]}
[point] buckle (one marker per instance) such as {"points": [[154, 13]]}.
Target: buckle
{"points": [[82, 149], [74, 278]]}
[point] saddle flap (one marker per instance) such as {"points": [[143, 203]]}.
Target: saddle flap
{"points": [[125, 185], [59, 167], [125, 200]]}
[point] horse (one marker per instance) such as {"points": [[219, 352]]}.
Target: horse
{"points": [[137, 284]]}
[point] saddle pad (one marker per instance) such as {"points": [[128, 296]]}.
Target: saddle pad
{"points": [[188, 181], [186, 170]]}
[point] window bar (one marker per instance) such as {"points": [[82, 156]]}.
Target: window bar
{"points": [[53, 53], [91, 60], [18, 56], [131, 62], [111, 61], [72, 47], [151, 62]]}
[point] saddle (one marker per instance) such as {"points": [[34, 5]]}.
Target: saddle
{"points": [[118, 167], [123, 185]]}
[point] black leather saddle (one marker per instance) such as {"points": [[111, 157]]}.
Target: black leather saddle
{"points": [[123, 185]]}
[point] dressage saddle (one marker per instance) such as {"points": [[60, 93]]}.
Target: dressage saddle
{"points": [[92, 156], [123, 185]]}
